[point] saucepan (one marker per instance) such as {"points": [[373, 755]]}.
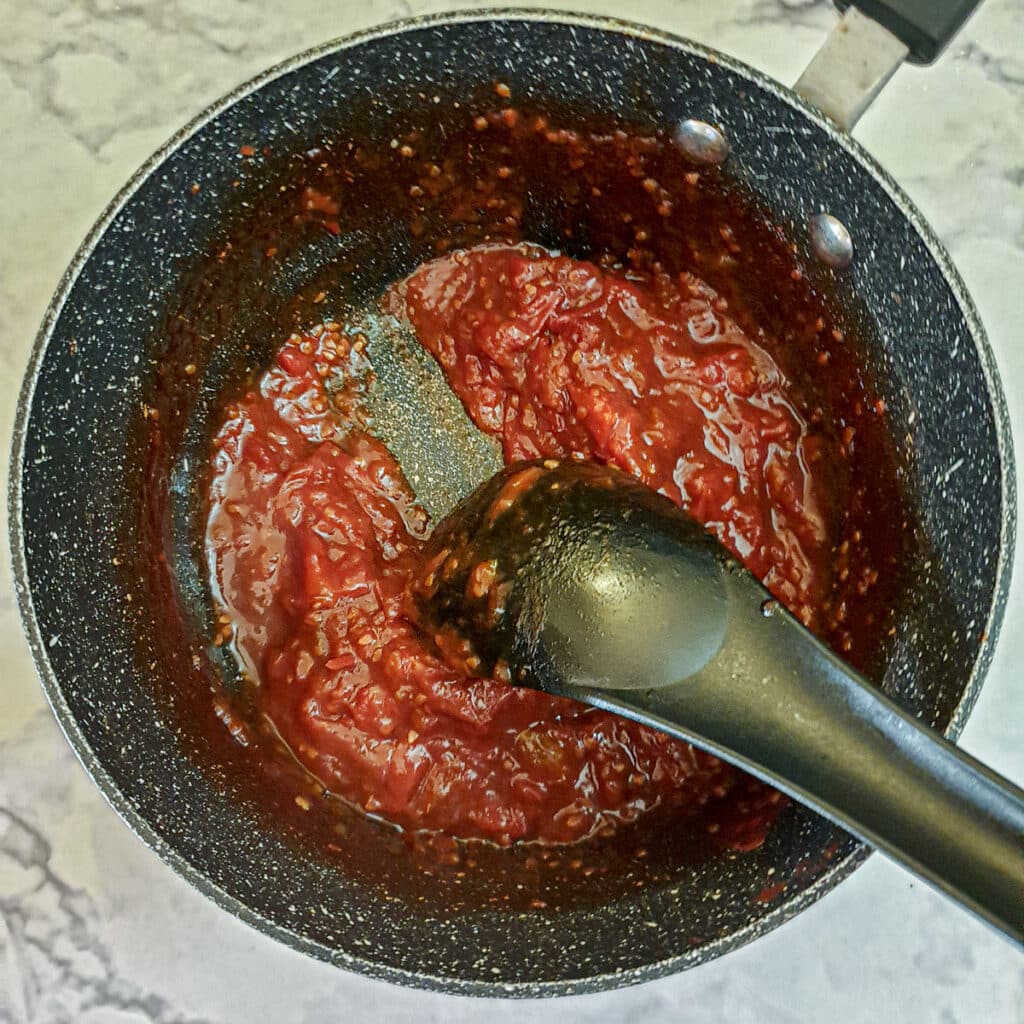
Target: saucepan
{"points": [[210, 257]]}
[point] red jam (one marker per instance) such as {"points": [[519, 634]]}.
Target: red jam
{"points": [[313, 534]]}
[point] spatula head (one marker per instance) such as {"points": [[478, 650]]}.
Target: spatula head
{"points": [[571, 574]]}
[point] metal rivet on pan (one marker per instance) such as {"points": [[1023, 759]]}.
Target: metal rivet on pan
{"points": [[831, 240], [703, 143]]}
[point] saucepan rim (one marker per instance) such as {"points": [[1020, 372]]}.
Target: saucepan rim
{"points": [[121, 803]]}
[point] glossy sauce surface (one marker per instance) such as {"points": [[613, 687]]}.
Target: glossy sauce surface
{"points": [[313, 534], [646, 372]]}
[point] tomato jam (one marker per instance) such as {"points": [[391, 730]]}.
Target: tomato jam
{"points": [[313, 534]]}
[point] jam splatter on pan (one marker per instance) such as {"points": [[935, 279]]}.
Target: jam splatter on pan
{"points": [[313, 535]]}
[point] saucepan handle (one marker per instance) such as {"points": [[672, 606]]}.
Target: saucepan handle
{"points": [[873, 38], [925, 27]]}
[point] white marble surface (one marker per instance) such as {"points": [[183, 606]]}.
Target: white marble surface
{"points": [[93, 928]]}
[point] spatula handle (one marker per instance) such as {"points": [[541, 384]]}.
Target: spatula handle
{"points": [[778, 702]]}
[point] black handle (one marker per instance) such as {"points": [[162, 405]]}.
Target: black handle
{"points": [[778, 702], [924, 26]]}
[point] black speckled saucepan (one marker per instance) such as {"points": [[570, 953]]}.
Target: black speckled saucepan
{"points": [[172, 304]]}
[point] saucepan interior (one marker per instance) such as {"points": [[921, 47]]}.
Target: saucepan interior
{"points": [[212, 256]]}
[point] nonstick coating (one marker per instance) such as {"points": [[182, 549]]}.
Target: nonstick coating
{"points": [[95, 597]]}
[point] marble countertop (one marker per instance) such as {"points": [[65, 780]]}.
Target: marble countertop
{"points": [[94, 929]]}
